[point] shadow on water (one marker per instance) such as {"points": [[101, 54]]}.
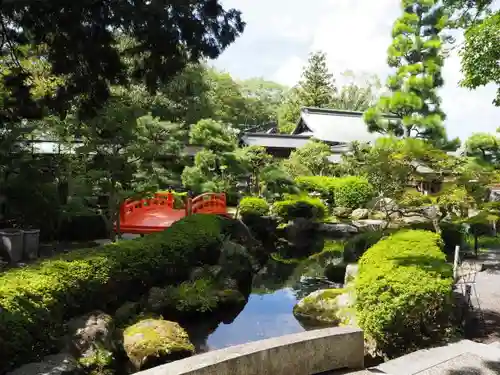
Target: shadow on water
{"points": [[269, 309]]}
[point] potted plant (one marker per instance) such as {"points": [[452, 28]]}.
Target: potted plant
{"points": [[31, 243], [11, 242]]}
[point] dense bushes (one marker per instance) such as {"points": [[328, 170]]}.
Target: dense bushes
{"points": [[253, 206], [351, 191], [35, 300], [403, 292], [300, 206], [323, 185]]}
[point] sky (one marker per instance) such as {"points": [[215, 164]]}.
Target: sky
{"points": [[355, 34]]}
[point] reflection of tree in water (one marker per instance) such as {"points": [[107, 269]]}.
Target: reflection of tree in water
{"points": [[303, 278]]}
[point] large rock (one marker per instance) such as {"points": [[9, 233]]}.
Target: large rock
{"points": [[59, 364], [95, 328], [91, 339], [360, 214], [341, 212], [338, 230], [152, 342], [370, 225], [320, 307]]}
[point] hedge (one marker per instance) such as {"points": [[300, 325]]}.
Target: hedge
{"points": [[353, 192], [323, 185], [404, 292], [350, 191], [253, 206], [37, 299], [300, 206], [356, 246]]}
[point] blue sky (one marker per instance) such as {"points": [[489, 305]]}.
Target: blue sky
{"points": [[355, 35]]}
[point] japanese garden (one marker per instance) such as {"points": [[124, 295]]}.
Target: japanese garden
{"points": [[155, 207]]}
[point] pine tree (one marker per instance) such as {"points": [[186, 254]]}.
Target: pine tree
{"points": [[317, 86], [416, 54]]}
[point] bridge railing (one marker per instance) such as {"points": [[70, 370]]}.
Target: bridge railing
{"points": [[208, 203], [131, 207]]}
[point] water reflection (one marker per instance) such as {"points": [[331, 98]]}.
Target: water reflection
{"points": [[269, 310]]}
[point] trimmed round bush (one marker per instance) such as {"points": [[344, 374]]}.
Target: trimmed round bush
{"points": [[323, 185], [253, 206], [404, 292], [352, 192], [37, 299], [300, 207]]}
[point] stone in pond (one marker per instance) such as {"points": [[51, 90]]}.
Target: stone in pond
{"points": [[152, 342], [86, 332], [360, 213], [320, 307], [59, 364]]}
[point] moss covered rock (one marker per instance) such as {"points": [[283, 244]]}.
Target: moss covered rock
{"points": [[320, 307], [152, 342]]}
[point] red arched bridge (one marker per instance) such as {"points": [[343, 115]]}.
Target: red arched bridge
{"points": [[155, 214]]}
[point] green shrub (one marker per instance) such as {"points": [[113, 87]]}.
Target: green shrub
{"points": [[253, 206], [353, 192], [452, 234], [404, 292], [356, 246], [300, 206], [323, 185], [37, 299]]}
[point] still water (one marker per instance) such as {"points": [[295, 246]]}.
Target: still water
{"points": [[269, 310]]}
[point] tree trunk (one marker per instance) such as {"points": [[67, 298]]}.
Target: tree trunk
{"points": [[111, 217]]}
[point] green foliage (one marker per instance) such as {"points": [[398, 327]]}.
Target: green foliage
{"points": [[275, 183], [404, 292], [81, 63], [416, 54], [253, 206], [322, 185], [356, 246], [300, 206], [218, 166], [38, 298], [256, 159], [480, 54], [310, 159], [352, 192]]}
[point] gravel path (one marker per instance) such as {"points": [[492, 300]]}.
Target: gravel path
{"points": [[487, 297]]}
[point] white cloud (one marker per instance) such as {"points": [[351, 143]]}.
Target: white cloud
{"points": [[355, 34]]}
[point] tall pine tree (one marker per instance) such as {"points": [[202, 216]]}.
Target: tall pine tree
{"points": [[317, 86], [416, 54]]}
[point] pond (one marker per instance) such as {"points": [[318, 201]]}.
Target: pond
{"points": [[269, 310]]}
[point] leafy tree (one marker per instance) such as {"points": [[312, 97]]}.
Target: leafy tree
{"points": [[218, 166], [80, 46], [416, 54], [481, 53], [125, 152], [256, 159], [310, 160], [356, 96], [485, 147], [289, 111]]}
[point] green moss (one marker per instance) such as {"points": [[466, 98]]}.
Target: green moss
{"points": [[99, 358], [320, 307], [153, 338]]}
